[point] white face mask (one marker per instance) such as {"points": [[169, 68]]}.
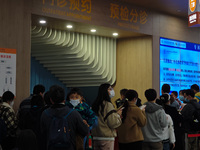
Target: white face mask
{"points": [[112, 93], [12, 103], [74, 102]]}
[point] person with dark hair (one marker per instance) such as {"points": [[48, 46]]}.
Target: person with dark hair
{"points": [[133, 118], [156, 121], [108, 119], [174, 103], [120, 101], [175, 96], [176, 118], [7, 114], [27, 140], [76, 125], [25, 105], [75, 101], [30, 119], [47, 100], [195, 88], [187, 113], [165, 88]]}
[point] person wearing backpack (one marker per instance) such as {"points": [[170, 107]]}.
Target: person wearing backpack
{"points": [[188, 120], [59, 124], [8, 117]]}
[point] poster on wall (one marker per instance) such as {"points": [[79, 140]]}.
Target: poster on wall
{"points": [[7, 70], [179, 64]]}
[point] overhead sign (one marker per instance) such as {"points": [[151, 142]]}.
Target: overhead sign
{"points": [[110, 13], [194, 13]]}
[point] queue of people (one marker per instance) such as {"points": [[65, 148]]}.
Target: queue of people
{"points": [[51, 121]]}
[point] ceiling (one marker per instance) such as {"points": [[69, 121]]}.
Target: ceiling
{"points": [[172, 7]]}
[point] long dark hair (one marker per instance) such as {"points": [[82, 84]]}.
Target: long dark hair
{"points": [[102, 96], [130, 95]]}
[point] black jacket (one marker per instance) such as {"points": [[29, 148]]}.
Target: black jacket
{"points": [[187, 113], [75, 122]]}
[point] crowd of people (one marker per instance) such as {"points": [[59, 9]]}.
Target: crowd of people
{"points": [[53, 121]]}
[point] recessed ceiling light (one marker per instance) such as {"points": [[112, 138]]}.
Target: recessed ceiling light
{"points": [[69, 26], [42, 21], [93, 30], [115, 34]]}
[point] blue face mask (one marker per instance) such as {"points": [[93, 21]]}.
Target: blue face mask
{"points": [[181, 98]]}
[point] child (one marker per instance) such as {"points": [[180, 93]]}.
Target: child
{"points": [[76, 101]]}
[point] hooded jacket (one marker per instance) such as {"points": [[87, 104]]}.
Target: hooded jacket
{"points": [[156, 121]]}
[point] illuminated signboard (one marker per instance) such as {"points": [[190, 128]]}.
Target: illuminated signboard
{"points": [[179, 64]]}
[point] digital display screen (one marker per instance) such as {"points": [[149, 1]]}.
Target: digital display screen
{"points": [[179, 64]]}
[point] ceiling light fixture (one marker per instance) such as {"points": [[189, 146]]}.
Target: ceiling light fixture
{"points": [[93, 30], [42, 21], [115, 34], [69, 26]]}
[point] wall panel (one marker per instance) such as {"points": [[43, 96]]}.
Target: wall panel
{"points": [[134, 65], [15, 26]]}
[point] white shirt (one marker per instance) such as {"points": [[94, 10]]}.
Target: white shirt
{"points": [[168, 131]]}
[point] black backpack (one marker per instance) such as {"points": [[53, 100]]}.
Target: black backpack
{"points": [[59, 132]]}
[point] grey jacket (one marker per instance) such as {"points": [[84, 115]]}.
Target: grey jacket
{"points": [[156, 121]]}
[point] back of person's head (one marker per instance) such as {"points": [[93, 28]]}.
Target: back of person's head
{"points": [[74, 91], [150, 94], [27, 140], [195, 87], [8, 96], [57, 94], [102, 96], [47, 98], [190, 92], [165, 98], [166, 88], [37, 100], [175, 93], [39, 88], [131, 94], [123, 91]]}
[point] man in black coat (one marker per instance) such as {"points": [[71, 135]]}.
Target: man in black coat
{"points": [[58, 110], [187, 113]]}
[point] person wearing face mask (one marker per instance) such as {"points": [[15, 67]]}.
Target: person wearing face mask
{"points": [[7, 114], [109, 119], [133, 118], [188, 113], [76, 101]]}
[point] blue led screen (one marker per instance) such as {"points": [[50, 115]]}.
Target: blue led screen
{"points": [[179, 64]]}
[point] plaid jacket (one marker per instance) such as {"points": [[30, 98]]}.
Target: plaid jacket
{"points": [[8, 115]]}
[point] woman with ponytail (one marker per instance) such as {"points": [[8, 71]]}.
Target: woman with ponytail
{"points": [[133, 118]]}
